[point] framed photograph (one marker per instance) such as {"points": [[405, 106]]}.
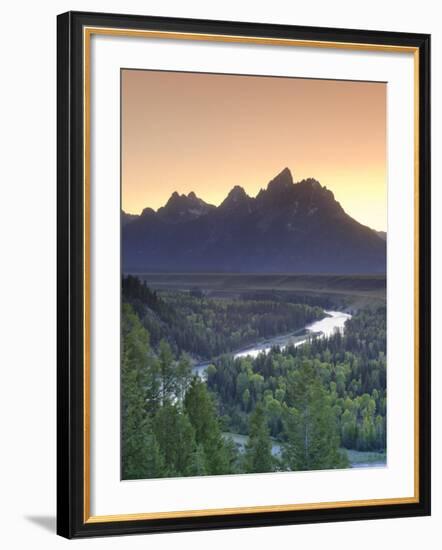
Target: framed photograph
{"points": [[243, 274]]}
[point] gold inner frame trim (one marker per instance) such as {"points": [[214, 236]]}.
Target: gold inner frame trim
{"points": [[87, 34]]}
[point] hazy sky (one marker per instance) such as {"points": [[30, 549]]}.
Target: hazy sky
{"points": [[207, 132]]}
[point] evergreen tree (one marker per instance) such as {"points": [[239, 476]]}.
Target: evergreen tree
{"points": [[141, 456], [183, 376], [310, 424], [349, 429], [198, 464], [258, 456], [380, 432], [200, 409], [167, 371], [176, 440]]}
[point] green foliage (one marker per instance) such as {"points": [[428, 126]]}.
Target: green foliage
{"points": [[142, 455], [169, 422], [176, 439], [351, 370], [200, 409], [312, 438], [258, 456], [175, 376], [311, 400], [207, 327]]}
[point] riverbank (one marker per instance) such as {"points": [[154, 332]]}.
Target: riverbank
{"points": [[356, 459], [335, 320]]}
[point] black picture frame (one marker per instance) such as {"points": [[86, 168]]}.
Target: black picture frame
{"points": [[71, 520]]}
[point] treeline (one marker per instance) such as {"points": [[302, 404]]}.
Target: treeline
{"points": [[346, 373], [207, 327], [323, 301], [171, 425]]}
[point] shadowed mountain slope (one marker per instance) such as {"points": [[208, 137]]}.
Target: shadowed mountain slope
{"points": [[287, 228]]}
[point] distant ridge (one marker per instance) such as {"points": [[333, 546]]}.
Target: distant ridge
{"points": [[287, 228]]}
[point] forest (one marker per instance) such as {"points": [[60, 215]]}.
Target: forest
{"points": [[207, 327], [310, 402], [345, 373]]}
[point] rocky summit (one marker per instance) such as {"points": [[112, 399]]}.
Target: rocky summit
{"points": [[289, 227]]}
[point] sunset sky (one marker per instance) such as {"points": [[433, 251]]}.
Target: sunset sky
{"points": [[206, 133]]}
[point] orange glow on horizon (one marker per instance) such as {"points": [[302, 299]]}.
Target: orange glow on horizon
{"points": [[208, 132]]}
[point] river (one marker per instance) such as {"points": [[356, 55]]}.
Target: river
{"points": [[357, 459], [334, 321], [323, 328]]}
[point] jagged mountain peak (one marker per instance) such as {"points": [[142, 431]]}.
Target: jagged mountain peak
{"points": [[182, 199], [284, 180], [237, 195], [289, 227], [183, 207], [175, 197]]}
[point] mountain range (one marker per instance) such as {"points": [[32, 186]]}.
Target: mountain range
{"points": [[287, 228]]}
